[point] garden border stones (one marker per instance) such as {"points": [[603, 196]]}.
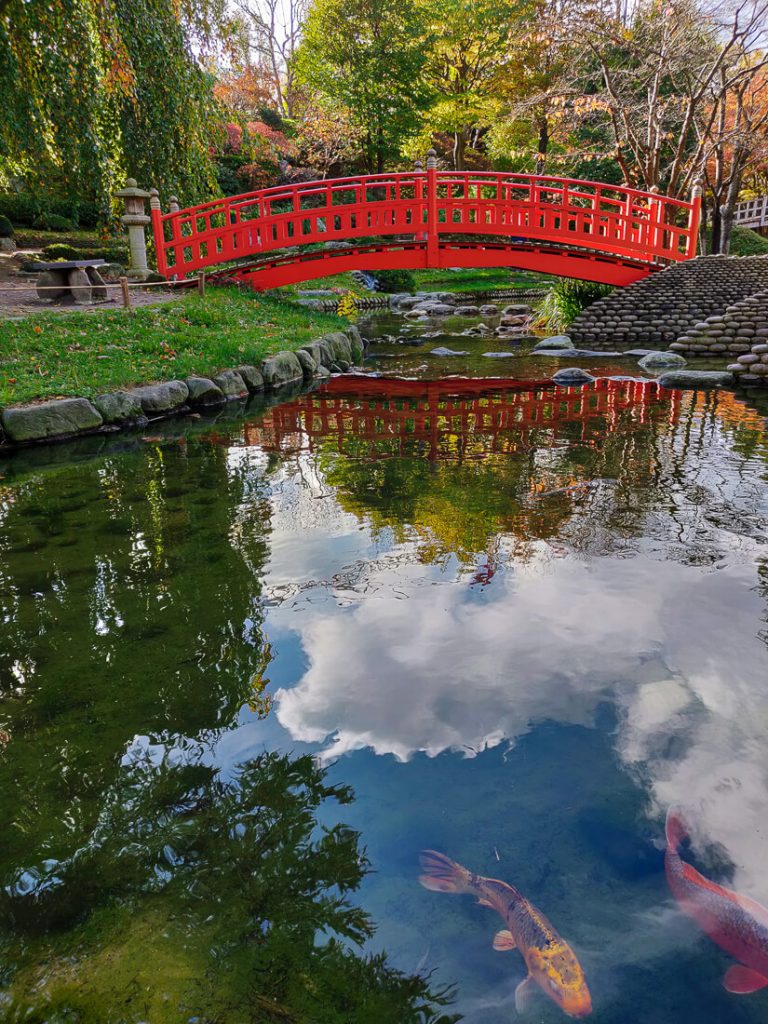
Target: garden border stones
{"points": [[64, 418]]}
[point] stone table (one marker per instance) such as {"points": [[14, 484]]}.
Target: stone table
{"points": [[78, 279]]}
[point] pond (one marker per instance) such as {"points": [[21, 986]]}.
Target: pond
{"points": [[250, 668]]}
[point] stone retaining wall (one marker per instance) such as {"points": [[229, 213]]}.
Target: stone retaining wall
{"points": [[659, 309], [66, 418], [730, 333], [742, 331]]}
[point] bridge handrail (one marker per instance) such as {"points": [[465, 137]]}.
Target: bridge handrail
{"points": [[596, 216]]}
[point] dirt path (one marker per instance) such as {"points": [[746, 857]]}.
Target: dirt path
{"points": [[19, 299]]}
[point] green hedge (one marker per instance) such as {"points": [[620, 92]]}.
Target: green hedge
{"points": [[63, 251], [746, 242], [24, 209], [394, 281]]}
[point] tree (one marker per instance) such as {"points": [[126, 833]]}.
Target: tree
{"points": [[736, 140], [272, 29], [470, 41], [665, 71], [326, 134], [537, 86], [368, 55], [92, 91]]}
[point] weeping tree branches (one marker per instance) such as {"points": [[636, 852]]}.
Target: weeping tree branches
{"points": [[93, 89]]}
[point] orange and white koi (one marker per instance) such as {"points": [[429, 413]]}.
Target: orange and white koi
{"points": [[551, 963], [736, 923]]}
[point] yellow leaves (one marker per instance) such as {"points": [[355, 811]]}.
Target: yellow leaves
{"points": [[346, 305]]}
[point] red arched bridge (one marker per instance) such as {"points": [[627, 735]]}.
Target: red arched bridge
{"points": [[560, 226]]}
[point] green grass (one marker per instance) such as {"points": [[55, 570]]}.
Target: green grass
{"points": [[86, 354], [473, 280], [437, 280]]}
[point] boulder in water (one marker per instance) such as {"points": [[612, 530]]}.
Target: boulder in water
{"points": [[661, 361], [570, 376], [446, 352], [557, 341], [695, 379]]}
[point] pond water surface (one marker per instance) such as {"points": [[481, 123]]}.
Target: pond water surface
{"points": [[518, 622]]}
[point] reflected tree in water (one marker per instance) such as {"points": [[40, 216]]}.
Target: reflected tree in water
{"points": [[256, 920], [126, 609]]}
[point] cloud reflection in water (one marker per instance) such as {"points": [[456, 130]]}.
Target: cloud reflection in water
{"points": [[437, 669]]}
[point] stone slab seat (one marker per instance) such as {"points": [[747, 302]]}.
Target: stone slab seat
{"points": [[71, 264]]}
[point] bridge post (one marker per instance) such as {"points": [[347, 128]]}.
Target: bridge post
{"points": [[157, 230], [695, 219], [433, 249], [418, 171]]}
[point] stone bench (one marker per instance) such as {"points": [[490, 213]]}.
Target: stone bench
{"points": [[76, 279]]}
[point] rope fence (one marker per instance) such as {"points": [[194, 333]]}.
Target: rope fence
{"points": [[123, 285]]}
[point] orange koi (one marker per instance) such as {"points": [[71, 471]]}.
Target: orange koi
{"points": [[736, 923], [551, 963]]}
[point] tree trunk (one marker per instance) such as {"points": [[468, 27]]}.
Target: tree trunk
{"points": [[543, 144], [459, 150], [703, 224], [380, 151], [716, 226], [728, 210]]}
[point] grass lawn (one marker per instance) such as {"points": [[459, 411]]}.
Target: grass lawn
{"points": [[86, 354], [437, 280]]}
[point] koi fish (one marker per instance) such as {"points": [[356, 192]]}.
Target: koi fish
{"points": [[551, 963], [736, 923]]}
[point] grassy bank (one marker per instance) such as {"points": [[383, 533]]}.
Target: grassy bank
{"points": [[86, 354], [470, 280]]}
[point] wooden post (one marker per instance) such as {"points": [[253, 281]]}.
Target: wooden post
{"points": [[201, 282], [126, 292], [697, 193], [433, 249]]}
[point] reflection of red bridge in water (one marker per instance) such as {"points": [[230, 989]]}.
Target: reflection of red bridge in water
{"points": [[439, 420]]}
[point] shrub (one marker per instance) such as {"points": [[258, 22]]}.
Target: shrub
{"points": [[565, 300], [24, 208], [18, 207], [394, 280], [6, 228], [53, 222], [746, 242], [64, 251]]}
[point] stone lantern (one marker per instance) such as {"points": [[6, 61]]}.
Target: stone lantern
{"points": [[135, 220]]}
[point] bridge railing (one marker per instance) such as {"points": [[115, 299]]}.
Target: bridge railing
{"points": [[427, 206]]}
